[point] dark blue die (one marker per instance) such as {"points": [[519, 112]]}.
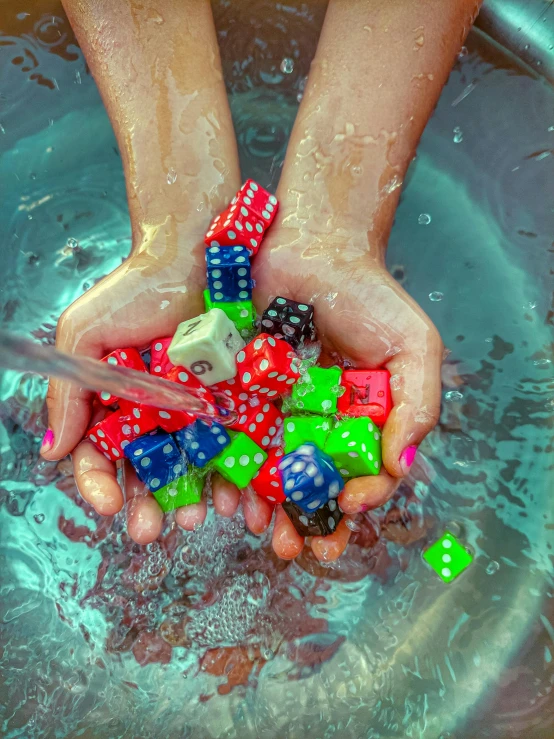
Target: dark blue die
{"points": [[157, 459], [201, 441], [229, 279], [310, 478]]}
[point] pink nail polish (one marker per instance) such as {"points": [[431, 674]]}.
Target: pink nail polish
{"points": [[48, 441], [407, 457]]}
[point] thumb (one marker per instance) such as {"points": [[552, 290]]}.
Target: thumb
{"points": [[416, 395], [68, 404]]}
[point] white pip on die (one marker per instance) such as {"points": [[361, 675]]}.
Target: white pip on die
{"points": [[207, 346]]}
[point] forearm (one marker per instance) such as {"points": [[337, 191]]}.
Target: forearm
{"points": [[158, 70], [378, 72]]}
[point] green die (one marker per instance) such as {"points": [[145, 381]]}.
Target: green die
{"points": [[182, 491], [355, 446], [448, 557], [300, 429], [240, 460], [317, 391], [241, 312]]}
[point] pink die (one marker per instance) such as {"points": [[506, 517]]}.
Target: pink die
{"points": [[128, 357], [258, 200], [160, 363], [261, 422], [237, 226], [268, 366], [267, 481]]}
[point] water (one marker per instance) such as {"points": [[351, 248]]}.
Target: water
{"points": [[22, 354], [207, 634]]}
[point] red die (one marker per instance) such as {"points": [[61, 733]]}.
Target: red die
{"points": [[258, 200], [112, 434], [160, 363], [261, 423], [267, 481], [232, 392], [139, 419], [237, 225], [268, 366], [367, 394], [124, 358]]}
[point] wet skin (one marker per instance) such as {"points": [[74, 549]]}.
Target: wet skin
{"points": [[366, 103]]}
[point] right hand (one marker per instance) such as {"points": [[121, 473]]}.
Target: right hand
{"points": [[156, 288]]}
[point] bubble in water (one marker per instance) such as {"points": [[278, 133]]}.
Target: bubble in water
{"points": [[551, 128], [458, 135], [463, 52], [453, 395], [542, 362], [492, 567], [39, 518], [531, 305], [287, 66], [72, 244], [436, 296], [171, 176], [424, 219], [267, 653]]}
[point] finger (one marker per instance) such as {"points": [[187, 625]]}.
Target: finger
{"points": [[68, 404], [144, 519], [225, 495], [329, 548], [96, 479], [364, 493], [190, 517], [257, 511], [286, 541], [416, 395]]}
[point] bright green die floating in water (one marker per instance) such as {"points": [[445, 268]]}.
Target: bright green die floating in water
{"points": [[240, 461], [301, 429], [241, 312], [317, 391], [355, 446], [448, 557], [183, 491]]}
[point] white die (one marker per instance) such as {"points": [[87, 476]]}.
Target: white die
{"points": [[207, 345]]}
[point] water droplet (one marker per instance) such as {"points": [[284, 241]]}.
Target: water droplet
{"points": [[171, 176], [458, 135], [453, 395], [267, 653], [436, 296], [424, 219], [287, 66], [492, 567], [463, 52], [39, 518]]}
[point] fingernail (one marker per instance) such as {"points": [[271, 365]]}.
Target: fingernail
{"points": [[48, 441], [407, 457]]}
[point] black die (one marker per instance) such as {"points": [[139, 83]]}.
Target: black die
{"points": [[322, 522], [288, 320]]}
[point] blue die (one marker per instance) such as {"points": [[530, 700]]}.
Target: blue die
{"points": [[310, 478], [229, 279], [157, 459], [201, 441]]}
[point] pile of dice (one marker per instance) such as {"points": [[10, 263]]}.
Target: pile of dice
{"points": [[297, 431]]}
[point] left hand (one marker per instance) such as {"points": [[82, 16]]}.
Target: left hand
{"points": [[362, 314]]}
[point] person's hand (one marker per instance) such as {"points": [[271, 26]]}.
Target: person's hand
{"points": [[156, 288], [362, 315]]}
